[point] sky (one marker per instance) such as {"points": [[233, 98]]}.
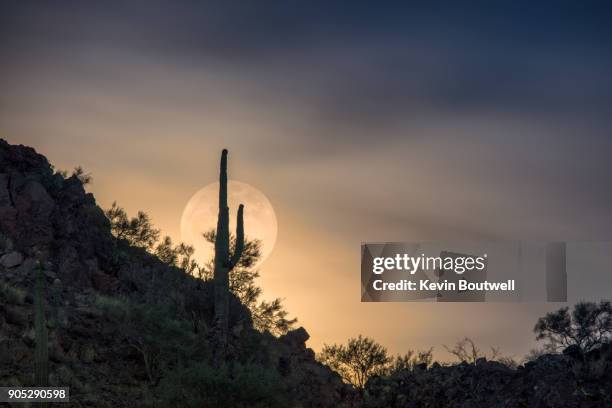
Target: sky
{"points": [[358, 121]]}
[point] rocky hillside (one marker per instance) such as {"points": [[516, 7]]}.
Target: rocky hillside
{"points": [[125, 329]]}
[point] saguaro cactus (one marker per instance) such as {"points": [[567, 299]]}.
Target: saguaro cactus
{"points": [[41, 370], [224, 261]]}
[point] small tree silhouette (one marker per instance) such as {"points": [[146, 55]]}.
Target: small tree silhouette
{"points": [[137, 231], [85, 178], [588, 326], [78, 172], [467, 350], [180, 256], [410, 360], [358, 360]]}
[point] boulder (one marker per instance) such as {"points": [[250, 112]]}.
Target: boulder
{"points": [[297, 337], [37, 198], [11, 259]]}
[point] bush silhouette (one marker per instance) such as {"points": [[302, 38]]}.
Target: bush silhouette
{"points": [[587, 326], [358, 360]]}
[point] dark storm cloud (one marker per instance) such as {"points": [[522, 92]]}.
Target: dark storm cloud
{"points": [[364, 61], [365, 74]]}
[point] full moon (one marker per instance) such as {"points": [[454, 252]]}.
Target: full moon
{"points": [[200, 215]]}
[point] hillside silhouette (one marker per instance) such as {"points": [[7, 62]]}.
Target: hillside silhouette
{"points": [[124, 328], [84, 308]]}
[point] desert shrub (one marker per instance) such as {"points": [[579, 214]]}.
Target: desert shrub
{"points": [[180, 256], [467, 350], [83, 176], [137, 231], [587, 326], [410, 360], [358, 360], [200, 386], [55, 179], [508, 362]]}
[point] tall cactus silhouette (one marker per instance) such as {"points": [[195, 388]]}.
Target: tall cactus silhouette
{"points": [[41, 369], [224, 261]]}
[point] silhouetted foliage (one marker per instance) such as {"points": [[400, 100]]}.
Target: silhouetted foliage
{"points": [[78, 172], [84, 177], [410, 360], [165, 251], [271, 316], [358, 360], [137, 231], [467, 350], [140, 232], [588, 326], [180, 255], [267, 315], [508, 362]]}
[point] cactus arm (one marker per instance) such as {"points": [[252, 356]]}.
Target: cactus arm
{"points": [[239, 247]]}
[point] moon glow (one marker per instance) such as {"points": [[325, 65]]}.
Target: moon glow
{"points": [[200, 215]]}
